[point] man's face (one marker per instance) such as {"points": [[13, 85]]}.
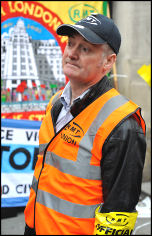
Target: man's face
{"points": [[82, 61]]}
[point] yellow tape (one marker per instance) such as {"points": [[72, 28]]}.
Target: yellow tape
{"points": [[114, 223]]}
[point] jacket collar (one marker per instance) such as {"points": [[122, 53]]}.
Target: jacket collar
{"points": [[66, 96], [94, 92], [79, 104]]}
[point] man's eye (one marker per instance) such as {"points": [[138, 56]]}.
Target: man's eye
{"points": [[85, 49], [69, 44]]}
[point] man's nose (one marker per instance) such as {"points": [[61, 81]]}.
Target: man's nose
{"points": [[73, 53]]}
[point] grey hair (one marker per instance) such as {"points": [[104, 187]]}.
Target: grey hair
{"points": [[107, 50]]}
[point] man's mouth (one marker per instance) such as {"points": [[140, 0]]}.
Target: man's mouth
{"points": [[72, 64]]}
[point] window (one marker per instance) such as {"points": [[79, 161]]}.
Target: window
{"points": [[22, 59], [14, 81], [14, 59], [14, 67], [23, 67], [22, 53], [14, 52]]}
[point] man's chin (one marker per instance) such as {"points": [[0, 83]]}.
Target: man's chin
{"points": [[71, 74]]}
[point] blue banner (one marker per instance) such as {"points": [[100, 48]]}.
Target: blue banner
{"points": [[19, 149]]}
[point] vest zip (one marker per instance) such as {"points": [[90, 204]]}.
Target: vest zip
{"points": [[43, 164]]}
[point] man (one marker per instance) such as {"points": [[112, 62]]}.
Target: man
{"points": [[87, 178]]}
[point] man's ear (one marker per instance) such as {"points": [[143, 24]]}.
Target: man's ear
{"points": [[109, 61]]}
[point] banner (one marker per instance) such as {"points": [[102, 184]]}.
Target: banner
{"points": [[27, 115], [24, 110], [19, 149], [31, 51]]}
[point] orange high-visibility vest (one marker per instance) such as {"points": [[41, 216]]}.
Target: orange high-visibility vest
{"points": [[67, 185]]}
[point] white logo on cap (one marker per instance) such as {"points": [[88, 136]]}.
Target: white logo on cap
{"points": [[92, 20], [79, 26]]}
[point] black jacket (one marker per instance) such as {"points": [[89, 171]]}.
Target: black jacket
{"points": [[122, 158], [123, 155]]}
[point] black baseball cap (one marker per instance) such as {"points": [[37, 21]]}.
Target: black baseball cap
{"points": [[97, 29]]}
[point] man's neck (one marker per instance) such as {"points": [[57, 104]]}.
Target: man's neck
{"points": [[77, 90]]}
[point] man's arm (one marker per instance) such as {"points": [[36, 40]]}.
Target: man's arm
{"points": [[122, 166], [121, 169]]}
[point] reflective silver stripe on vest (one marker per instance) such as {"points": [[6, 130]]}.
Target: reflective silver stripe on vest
{"points": [[66, 207], [81, 167], [85, 144], [34, 184], [42, 147], [110, 106]]}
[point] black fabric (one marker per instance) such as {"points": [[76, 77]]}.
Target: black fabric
{"points": [[97, 29], [123, 155], [55, 112], [29, 231], [122, 166]]}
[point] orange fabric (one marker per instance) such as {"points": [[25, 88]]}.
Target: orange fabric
{"points": [[52, 98], [142, 122], [46, 131], [29, 210], [38, 166], [84, 119], [55, 223], [108, 125], [57, 187]]}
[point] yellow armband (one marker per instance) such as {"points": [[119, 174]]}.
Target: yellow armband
{"points": [[114, 223]]}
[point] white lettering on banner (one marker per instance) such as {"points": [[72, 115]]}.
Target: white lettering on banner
{"points": [[19, 136], [16, 185]]}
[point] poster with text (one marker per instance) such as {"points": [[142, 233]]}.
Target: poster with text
{"points": [[19, 149]]}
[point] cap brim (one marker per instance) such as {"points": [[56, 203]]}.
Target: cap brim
{"points": [[89, 35]]}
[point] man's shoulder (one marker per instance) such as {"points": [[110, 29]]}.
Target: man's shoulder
{"points": [[126, 128], [53, 99]]}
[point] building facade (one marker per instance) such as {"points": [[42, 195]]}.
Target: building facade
{"points": [[134, 22]]}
